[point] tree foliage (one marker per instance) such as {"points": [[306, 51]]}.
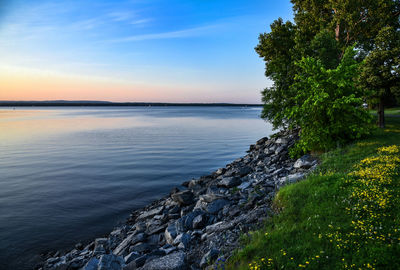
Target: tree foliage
{"points": [[328, 105], [276, 48], [381, 69], [319, 37]]}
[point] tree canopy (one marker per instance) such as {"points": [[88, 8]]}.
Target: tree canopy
{"points": [[321, 33]]}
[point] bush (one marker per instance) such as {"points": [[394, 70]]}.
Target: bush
{"points": [[328, 106]]}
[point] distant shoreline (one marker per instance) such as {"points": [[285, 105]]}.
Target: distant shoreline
{"points": [[63, 103]]}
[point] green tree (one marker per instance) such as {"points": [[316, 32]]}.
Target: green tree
{"points": [[328, 104], [322, 29], [276, 48], [325, 48], [352, 21], [381, 69]]}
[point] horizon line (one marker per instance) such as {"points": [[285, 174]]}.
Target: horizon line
{"points": [[110, 103]]}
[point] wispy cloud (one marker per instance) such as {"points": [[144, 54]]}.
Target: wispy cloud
{"points": [[190, 32], [140, 21], [87, 24], [119, 16]]}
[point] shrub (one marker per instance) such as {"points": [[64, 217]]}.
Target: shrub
{"points": [[328, 106]]}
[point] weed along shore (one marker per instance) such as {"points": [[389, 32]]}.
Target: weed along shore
{"points": [[199, 226]]}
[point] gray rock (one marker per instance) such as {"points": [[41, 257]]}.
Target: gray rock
{"points": [[269, 151], [131, 257], [111, 262], [185, 223], [292, 178], [186, 210], [210, 197], [170, 233], [193, 183], [137, 263], [229, 173], [130, 240], [244, 171], [140, 248], [209, 257], [184, 197], [216, 205], [92, 264], [99, 250], [52, 260], [77, 262], [174, 190], [244, 185], [219, 227], [229, 182], [234, 211], [173, 261], [151, 213], [303, 163], [174, 210], [155, 239], [281, 140], [182, 238], [140, 227], [220, 171], [156, 229], [280, 149], [199, 221], [262, 141], [101, 242], [169, 249]]}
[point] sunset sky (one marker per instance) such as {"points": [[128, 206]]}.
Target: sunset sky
{"points": [[134, 50]]}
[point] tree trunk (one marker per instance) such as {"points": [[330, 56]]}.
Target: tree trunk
{"points": [[337, 32], [337, 29], [381, 113]]}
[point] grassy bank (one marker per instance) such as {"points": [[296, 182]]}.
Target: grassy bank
{"points": [[345, 215], [389, 112]]}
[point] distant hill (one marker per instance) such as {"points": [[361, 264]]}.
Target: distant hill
{"points": [[107, 103]]}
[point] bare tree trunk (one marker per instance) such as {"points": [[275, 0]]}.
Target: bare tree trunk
{"points": [[381, 113], [337, 32]]}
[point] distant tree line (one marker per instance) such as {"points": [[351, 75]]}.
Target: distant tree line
{"points": [[336, 56]]}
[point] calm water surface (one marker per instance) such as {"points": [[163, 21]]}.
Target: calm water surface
{"points": [[72, 174]]}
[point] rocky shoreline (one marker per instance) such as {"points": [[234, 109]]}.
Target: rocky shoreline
{"points": [[198, 227]]}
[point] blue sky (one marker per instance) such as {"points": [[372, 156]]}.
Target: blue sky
{"points": [[176, 51]]}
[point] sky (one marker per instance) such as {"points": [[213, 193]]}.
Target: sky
{"points": [[135, 50]]}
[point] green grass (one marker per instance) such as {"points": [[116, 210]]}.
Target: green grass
{"points": [[389, 112], [313, 226], [392, 111]]}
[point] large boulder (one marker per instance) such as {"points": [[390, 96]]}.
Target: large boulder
{"points": [[304, 162], [292, 178], [215, 206], [229, 182], [173, 261], [185, 197]]}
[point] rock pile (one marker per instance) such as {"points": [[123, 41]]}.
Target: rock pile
{"points": [[191, 228]]}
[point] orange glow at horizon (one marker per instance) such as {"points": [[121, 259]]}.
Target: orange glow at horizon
{"points": [[21, 84], [50, 87]]}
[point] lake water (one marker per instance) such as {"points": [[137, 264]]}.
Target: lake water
{"points": [[71, 174]]}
